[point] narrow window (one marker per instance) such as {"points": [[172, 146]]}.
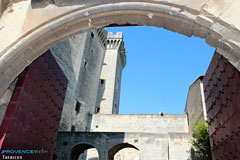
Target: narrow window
{"points": [[78, 106], [73, 128], [85, 64], [92, 35], [98, 110], [102, 81]]}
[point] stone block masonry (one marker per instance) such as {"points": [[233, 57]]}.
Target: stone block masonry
{"points": [[151, 146], [149, 123]]}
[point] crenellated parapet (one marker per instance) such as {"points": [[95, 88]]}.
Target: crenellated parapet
{"points": [[101, 34], [115, 42]]}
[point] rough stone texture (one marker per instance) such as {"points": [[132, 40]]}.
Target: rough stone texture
{"points": [[114, 62], [171, 125], [127, 154], [88, 81], [42, 23], [5, 99], [180, 147], [80, 58], [150, 146], [195, 105], [69, 55], [140, 123]]}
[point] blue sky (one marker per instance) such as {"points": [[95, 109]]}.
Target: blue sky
{"points": [[161, 65]]}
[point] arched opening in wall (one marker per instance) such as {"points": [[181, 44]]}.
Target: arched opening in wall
{"points": [[69, 52], [91, 154], [123, 151], [162, 15], [84, 152], [127, 154]]}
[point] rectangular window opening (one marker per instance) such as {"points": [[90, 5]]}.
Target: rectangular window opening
{"points": [[73, 128], [85, 64], [92, 35], [77, 107], [98, 110], [102, 81]]}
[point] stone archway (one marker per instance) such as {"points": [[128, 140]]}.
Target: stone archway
{"points": [[117, 148], [77, 150], [43, 23]]}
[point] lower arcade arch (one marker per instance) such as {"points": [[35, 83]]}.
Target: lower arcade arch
{"points": [[117, 148], [78, 152]]}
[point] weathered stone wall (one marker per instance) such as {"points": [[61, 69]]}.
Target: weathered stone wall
{"points": [[140, 123], [195, 105], [81, 58], [5, 99], [127, 154], [42, 23], [112, 73], [118, 79], [151, 146], [88, 81], [69, 55], [180, 147]]}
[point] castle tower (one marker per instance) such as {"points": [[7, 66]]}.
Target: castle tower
{"points": [[114, 62]]}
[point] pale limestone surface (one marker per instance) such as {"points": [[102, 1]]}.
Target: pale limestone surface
{"points": [[148, 123], [42, 23], [80, 58], [114, 62], [83, 82], [127, 154], [150, 146], [175, 127], [5, 99], [195, 105], [84, 87]]}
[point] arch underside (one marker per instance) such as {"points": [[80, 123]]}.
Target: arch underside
{"points": [[38, 37], [117, 148], [78, 150]]}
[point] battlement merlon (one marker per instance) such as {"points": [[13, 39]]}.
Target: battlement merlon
{"points": [[115, 42], [118, 35], [101, 36]]}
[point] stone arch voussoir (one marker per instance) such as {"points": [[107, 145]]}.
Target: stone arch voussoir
{"points": [[171, 16]]}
